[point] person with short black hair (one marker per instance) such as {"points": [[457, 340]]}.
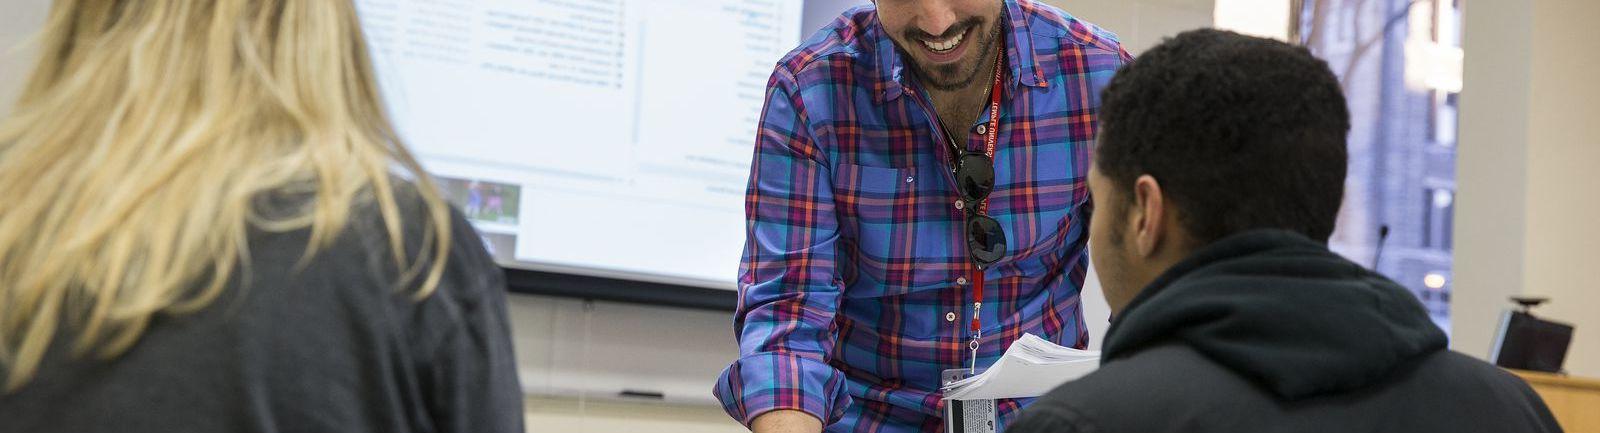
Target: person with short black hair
{"points": [[1242, 133], [1218, 175]]}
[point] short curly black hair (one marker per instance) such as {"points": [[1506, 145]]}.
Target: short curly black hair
{"points": [[1241, 132]]}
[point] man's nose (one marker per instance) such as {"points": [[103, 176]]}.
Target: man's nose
{"points": [[935, 16]]}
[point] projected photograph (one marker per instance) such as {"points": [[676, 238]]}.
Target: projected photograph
{"points": [[482, 201]]}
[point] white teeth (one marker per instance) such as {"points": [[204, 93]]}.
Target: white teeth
{"points": [[944, 45]]}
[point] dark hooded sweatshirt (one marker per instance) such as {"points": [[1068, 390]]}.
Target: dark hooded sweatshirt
{"points": [[1268, 331]]}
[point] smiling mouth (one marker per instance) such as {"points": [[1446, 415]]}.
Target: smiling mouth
{"points": [[946, 45]]}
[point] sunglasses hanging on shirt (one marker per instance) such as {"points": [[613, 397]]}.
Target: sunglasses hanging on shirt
{"points": [[986, 242]]}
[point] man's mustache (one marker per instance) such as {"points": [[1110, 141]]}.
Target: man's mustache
{"points": [[916, 33]]}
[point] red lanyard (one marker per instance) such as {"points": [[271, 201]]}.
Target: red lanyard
{"points": [[990, 137]]}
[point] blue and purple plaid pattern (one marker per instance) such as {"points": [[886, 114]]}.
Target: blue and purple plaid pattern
{"points": [[853, 295]]}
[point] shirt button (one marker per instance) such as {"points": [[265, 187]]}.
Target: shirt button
{"points": [[950, 316], [961, 281], [983, 129], [908, 179], [960, 204]]}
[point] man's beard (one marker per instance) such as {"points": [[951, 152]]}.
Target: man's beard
{"points": [[956, 78]]}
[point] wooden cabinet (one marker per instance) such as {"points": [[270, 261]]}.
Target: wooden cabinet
{"points": [[1574, 400]]}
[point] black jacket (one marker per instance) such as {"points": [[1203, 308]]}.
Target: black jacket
{"points": [[1268, 331]]}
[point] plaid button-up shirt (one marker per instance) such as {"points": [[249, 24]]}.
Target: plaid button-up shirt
{"points": [[853, 285]]}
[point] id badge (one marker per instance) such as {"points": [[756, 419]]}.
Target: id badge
{"points": [[967, 416]]}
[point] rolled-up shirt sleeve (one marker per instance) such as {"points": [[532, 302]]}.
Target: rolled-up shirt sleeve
{"points": [[789, 285]]}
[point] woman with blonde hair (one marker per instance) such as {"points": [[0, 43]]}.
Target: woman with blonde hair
{"points": [[207, 223]]}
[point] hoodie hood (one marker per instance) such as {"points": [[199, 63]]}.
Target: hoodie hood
{"points": [[1282, 310]]}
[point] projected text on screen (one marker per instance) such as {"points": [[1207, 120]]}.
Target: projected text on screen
{"points": [[594, 136]]}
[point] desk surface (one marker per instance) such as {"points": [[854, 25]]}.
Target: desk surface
{"points": [[1541, 378]]}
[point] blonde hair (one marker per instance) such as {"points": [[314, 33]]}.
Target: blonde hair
{"points": [[130, 165]]}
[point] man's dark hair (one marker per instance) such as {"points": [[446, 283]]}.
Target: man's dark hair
{"points": [[1241, 132]]}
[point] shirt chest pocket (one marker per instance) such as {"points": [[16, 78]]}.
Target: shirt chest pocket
{"points": [[868, 198], [897, 228]]}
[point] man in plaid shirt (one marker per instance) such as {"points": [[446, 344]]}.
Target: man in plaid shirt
{"points": [[869, 222]]}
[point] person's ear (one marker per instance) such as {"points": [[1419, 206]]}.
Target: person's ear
{"points": [[1150, 209]]}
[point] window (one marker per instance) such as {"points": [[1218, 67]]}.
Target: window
{"points": [[1438, 219], [1443, 111]]}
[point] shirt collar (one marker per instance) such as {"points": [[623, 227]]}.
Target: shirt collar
{"points": [[892, 77]]}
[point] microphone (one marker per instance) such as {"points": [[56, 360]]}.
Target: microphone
{"points": [[1383, 235]]}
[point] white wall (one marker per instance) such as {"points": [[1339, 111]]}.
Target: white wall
{"points": [[575, 356], [1528, 222], [1563, 241], [571, 348], [1141, 24], [1491, 218]]}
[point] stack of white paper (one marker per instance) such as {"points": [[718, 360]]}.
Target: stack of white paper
{"points": [[1030, 367]]}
